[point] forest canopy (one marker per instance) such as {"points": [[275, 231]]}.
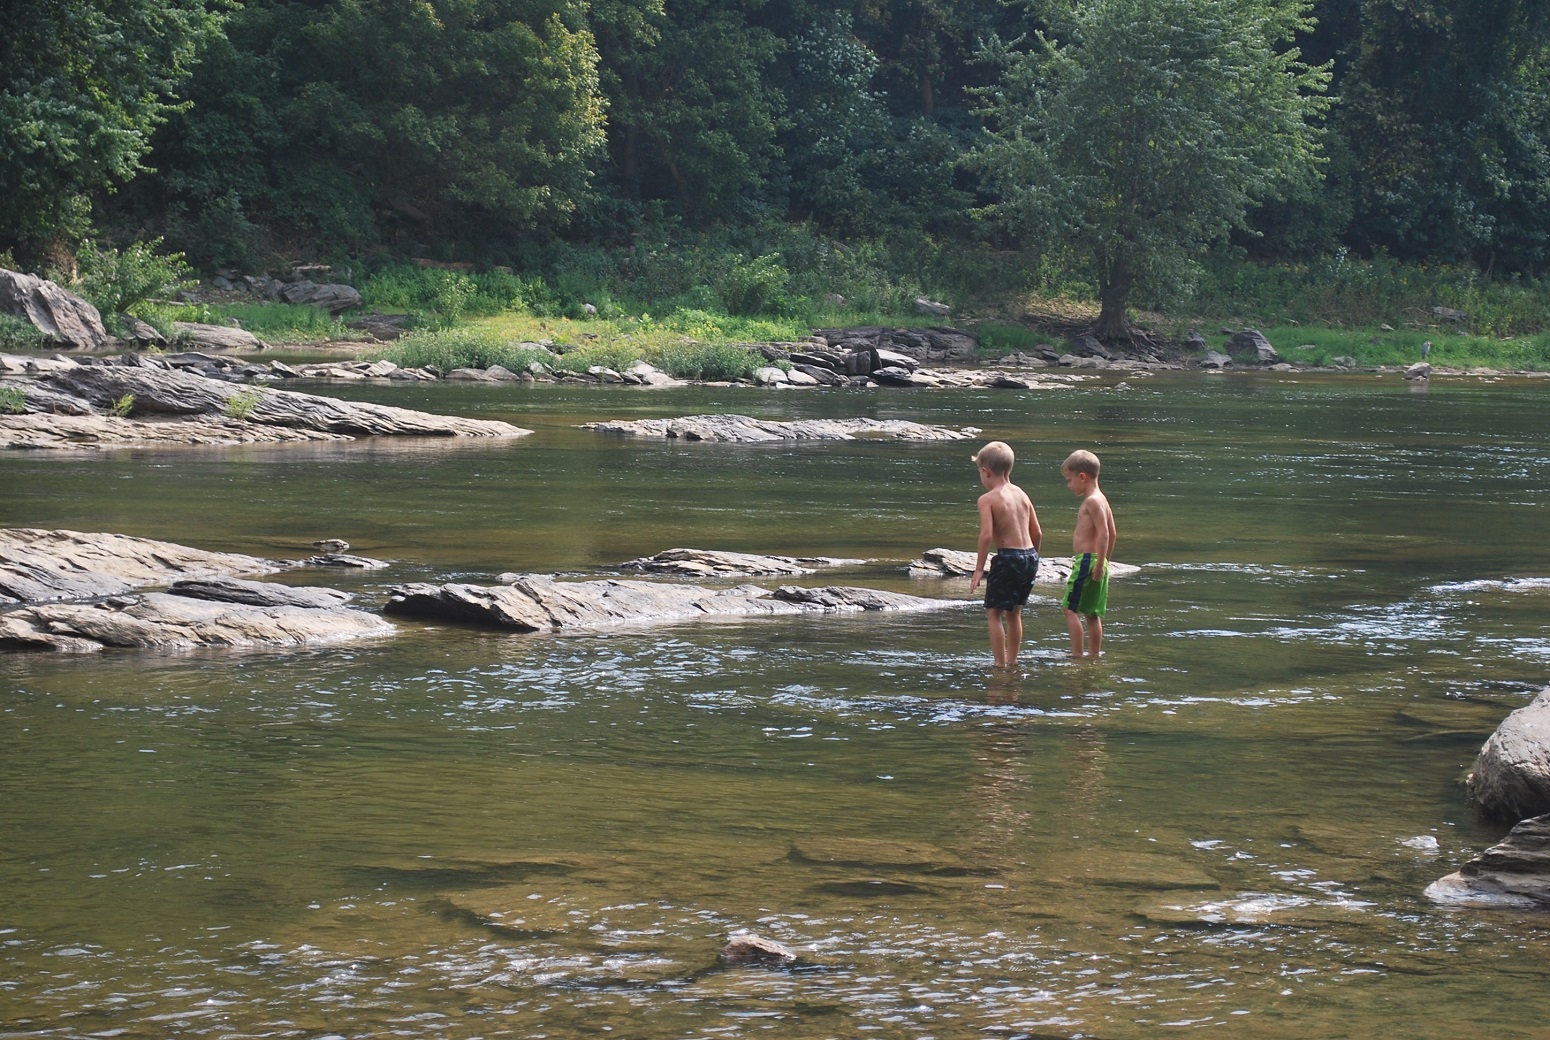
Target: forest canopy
{"points": [[473, 129]]}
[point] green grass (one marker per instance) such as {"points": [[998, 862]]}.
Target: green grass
{"points": [[1403, 347], [279, 322], [483, 346]]}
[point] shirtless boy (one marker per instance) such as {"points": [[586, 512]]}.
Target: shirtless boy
{"points": [[1092, 547], [1010, 526]]}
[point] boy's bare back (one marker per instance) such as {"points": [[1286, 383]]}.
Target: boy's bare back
{"points": [[1007, 512]]}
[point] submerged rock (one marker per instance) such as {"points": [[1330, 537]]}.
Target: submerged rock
{"points": [[711, 563], [745, 429], [744, 947], [1511, 777], [537, 603]]}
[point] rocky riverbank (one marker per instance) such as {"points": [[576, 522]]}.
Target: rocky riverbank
{"points": [[67, 403]]}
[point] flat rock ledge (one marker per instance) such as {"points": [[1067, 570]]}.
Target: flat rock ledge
{"points": [[709, 563], [954, 563], [75, 592], [1511, 875], [538, 603], [77, 401], [172, 621], [743, 429], [38, 566], [1511, 777]]}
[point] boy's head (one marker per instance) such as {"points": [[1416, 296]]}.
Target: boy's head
{"points": [[996, 457], [1081, 461]]}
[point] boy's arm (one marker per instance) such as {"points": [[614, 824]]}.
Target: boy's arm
{"points": [[1110, 536], [1035, 532], [987, 535]]}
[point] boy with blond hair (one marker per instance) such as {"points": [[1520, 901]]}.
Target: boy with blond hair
{"points": [[1008, 524], [1092, 547]]}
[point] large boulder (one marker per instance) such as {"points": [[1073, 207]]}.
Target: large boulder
{"points": [[216, 337], [63, 318], [1252, 343], [333, 297], [1511, 778]]}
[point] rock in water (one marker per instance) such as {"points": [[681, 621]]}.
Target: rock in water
{"points": [[712, 563], [538, 603], [1511, 875], [1511, 778], [745, 429], [747, 948]]}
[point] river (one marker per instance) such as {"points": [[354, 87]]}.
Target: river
{"points": [[457, 833]]}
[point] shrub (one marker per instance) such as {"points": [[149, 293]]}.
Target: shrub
{"points": [[13, 400], [757, 286], [114, 281], [123, 406], [19, 334], [241, 406]]}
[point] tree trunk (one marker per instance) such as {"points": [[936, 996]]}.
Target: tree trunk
{"points": [[1114, 282]]}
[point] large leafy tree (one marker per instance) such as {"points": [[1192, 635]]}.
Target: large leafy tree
{"points": [[83, 83], [1140, 131]]}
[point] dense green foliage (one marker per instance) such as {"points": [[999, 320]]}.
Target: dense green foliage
{"points": [[749, 158], [83, 83]]}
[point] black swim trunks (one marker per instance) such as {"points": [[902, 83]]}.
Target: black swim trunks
{"points": [[1011, 578]]}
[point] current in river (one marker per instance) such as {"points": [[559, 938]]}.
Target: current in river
{"points": [[460, 833]]}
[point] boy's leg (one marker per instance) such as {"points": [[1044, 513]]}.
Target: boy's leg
{"points": [[1014, 636], [997, 635], [1094, 635], [1074, 627]]}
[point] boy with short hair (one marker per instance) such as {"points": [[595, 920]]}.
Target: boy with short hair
{"points": [[1009, 524], [1092, 547]]}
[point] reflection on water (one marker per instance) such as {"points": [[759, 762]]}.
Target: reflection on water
{"points": [[466, 834]]}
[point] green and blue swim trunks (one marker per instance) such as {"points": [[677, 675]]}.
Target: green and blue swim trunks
{"points": [[1085, 594]]}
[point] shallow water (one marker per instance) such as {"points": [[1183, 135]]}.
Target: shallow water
{"points": [[456, 833]]}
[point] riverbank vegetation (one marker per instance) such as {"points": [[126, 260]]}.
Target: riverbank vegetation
{"points": [[672, 171]]}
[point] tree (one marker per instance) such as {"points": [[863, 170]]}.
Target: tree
{"points": [[340, 124], [1138, 132], [82, 85], [693, 115], [1444, 108]]}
